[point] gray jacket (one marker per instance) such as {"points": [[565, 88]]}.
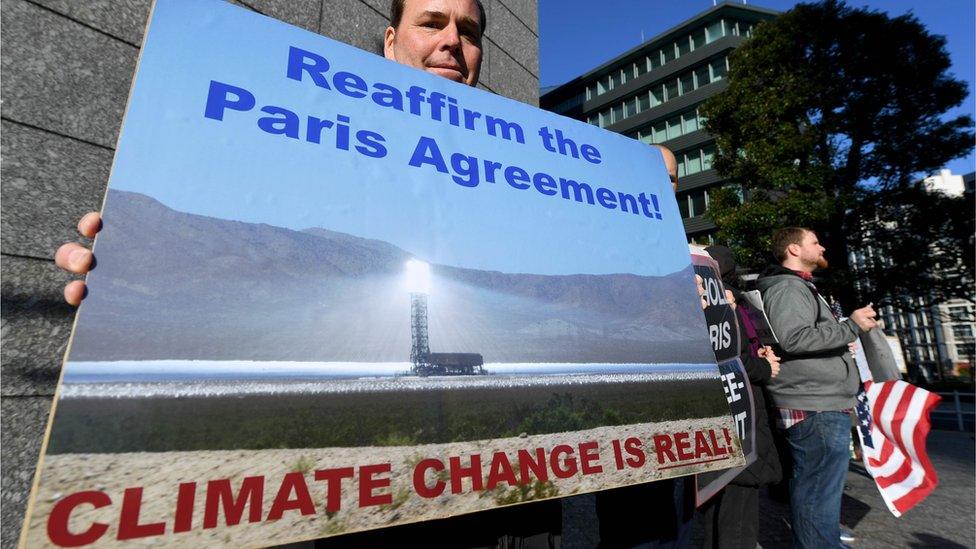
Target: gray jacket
{"points": [[817, 372]]}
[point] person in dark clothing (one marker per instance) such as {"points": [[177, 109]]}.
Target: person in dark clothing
{"points": [[732, 515]]}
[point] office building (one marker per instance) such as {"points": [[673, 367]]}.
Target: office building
{"points": [[653, 93], [938, 337]]}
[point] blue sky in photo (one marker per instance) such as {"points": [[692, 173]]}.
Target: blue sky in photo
{"points": [[576, 36], [232, 169]]}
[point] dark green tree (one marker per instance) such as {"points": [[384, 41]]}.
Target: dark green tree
{"points": [[831, 116]]}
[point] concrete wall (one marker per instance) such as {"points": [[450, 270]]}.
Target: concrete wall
{"points": [[66, 68]]}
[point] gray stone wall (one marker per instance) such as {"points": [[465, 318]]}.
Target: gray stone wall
{"points": [[66, 68]]}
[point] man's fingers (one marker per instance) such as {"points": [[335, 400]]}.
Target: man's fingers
{"points": [[73, 258], [74, 292], [90, 224]]}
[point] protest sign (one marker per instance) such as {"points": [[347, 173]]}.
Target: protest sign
{"points": [[335, 294], [723, 330]]}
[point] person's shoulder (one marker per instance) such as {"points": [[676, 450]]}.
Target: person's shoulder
{"points": [[775, 275]]}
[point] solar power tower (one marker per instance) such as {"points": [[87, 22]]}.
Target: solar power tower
{"points": [[417, 281], [424, 362], [419, 348]]}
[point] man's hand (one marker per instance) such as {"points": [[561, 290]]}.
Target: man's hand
{"points": [[77, 259], [773, 360], [865, 317], [700, 283]]}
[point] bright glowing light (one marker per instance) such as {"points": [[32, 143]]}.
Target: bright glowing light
{"points": [[416, 278]]}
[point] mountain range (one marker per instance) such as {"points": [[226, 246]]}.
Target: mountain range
{"points": [[174, 285]]}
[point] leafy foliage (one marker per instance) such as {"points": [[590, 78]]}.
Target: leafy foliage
{"points": [[830, 117]]}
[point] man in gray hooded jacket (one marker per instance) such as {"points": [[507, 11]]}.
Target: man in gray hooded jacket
{"points": [[818, 381]]}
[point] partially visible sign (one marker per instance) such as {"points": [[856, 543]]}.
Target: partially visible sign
{"points": [[723, 332], [723, 328], [753, 306], [738, 392]]}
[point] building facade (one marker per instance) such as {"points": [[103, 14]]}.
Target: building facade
{"points": [[653, 93], [938, 338], [66, 69]]}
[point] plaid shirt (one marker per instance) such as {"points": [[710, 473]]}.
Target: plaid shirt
{"points": [[789, 417]]}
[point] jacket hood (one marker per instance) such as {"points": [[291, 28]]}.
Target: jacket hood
{"points": [[773, 274]]}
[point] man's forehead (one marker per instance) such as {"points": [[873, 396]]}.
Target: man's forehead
{"points": [[465, 8]]}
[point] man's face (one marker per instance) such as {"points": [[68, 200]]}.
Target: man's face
{"points": [[442, 37], [810, 252]]}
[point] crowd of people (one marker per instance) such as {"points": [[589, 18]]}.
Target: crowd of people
{"points": [[809, 382]]}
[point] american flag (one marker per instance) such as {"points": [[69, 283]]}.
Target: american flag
{"points": [[893, 423]]}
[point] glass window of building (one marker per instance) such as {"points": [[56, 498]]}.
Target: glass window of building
{"points": [[657, 95], [683, 206], [714, 31], [693, 161], [684, 46], [605, 119], [630, 107], [618, 112], [962, 331], [689, 121], [698, 203], [708, 157], [687, 82], [958, 313], [615, 79], [640, 66], [654, 60], [593, 119], [660, 132], [668, 53], [603, 85], [674, 127], [643, 101], [698, 38], [719, 69], [671, 90], [702, 76]]}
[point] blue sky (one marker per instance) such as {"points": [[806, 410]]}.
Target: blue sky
{"points": [[578, 35], [232, 169]]}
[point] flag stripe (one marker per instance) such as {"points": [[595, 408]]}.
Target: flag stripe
{"points": [[930, 479], [891, 464], [887, 448]]}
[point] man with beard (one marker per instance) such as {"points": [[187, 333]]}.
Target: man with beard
{"points": [[816, 386]]}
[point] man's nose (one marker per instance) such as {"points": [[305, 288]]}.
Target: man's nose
{"points": [[450, 37]]}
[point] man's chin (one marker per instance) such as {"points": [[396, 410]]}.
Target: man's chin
{"points": [[822, 263], [450, 74]]}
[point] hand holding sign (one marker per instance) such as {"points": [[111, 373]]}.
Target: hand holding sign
{"points": [[77, 259], [865, 317], [773, 360]]}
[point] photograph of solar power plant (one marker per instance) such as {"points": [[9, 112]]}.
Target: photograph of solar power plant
{"points": [[265, 337]]}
